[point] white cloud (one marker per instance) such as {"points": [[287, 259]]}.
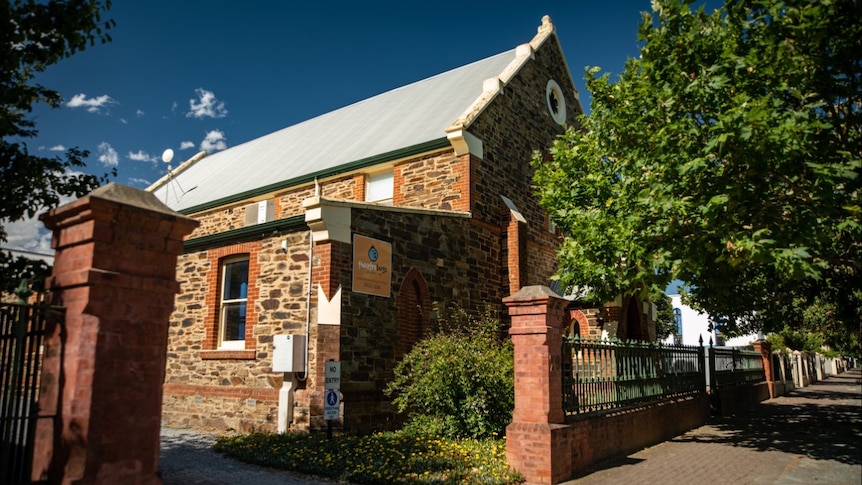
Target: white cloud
{"points": [[107, 155], [185, 145], [123, 121], [214, 141], [55, 148], [206, 106], [139, 182], [28, 235], [93, 105], [139, 113], [141, 156]]}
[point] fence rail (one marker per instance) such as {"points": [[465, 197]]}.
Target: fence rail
{"points": [[599, 375], [22, 329], [730, 367]]}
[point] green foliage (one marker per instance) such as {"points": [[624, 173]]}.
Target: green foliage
{"points": [[789, 340], [727, 156], [33, 36], [459, 382], [384, 458], [33, 271]]}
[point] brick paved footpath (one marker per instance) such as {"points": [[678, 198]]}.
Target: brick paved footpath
{"points": [[813, 435]]}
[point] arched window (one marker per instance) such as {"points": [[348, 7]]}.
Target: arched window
{"points": [[677, 319], [413, 305]]}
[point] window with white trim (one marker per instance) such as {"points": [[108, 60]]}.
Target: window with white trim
{"points": [[379, 187], [233, 305]]}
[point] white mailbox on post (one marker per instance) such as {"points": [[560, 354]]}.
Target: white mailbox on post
{"points": [[288, 354]]}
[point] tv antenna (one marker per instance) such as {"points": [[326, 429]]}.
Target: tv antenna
{"points": [[167, 156]]}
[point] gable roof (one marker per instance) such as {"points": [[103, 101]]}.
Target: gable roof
{"points": [[405, 121]]}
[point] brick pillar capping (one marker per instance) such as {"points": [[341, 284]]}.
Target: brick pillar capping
{"points": [[538, 318], [765, 349], [101, 387]]}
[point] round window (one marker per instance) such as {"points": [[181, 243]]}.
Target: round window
{"points": [[556, 102]]}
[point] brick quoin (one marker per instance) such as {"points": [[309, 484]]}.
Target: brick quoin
{"points": [[359, 186]]}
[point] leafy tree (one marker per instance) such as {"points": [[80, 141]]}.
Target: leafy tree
{"points": [[458, 382], [727, 156], [665, 324], [33, 36]]}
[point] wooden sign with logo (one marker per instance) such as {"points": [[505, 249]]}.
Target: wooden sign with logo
{"points": [[372, 266]]}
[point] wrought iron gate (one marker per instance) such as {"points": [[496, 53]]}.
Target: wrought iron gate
{"points": [[22, 330]]}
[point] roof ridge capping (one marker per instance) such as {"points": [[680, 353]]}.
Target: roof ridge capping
{"points": [[494, 86]]}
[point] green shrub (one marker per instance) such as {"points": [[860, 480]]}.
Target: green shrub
{"points": [[459, 382]]}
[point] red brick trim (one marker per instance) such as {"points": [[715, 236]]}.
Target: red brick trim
{"points": [[260, 394], [211, 300], [516, 254], [578, 323], [359, 186], [228, 354]]}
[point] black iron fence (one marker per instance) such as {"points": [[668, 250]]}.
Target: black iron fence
{"points": [[22, 330], [730, 367], [600, 375]]}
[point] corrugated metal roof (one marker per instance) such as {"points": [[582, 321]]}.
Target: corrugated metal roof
{"points": [[404, 117]]}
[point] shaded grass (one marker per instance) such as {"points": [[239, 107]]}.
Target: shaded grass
{"points": [[382, 458]]}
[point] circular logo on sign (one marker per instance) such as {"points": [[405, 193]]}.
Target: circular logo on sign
{"points": [[372, 254]]}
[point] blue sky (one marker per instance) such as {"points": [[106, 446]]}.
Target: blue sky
{"points": [[193, 75]]}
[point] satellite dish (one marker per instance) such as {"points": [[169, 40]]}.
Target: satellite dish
{"points": [[167, 155]]}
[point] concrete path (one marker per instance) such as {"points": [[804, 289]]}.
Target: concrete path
{"points": [[811, 436], [187, 458]]}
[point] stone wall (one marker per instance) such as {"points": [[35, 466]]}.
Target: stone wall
{"points": [[454, 256], [438, 181], [457, 260], [514, 126], [227, 389]]}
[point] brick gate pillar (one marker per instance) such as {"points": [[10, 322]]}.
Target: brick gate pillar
{"points": [[101, 389], [535, 440], [765, 349]]}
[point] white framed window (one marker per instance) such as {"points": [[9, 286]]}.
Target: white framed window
{"points": [[380, 187], [233, 304]]}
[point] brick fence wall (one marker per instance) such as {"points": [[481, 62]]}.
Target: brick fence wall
{"points": [[541, 443]]}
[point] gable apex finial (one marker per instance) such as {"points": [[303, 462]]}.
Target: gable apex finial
{"points": [[546, 24]]}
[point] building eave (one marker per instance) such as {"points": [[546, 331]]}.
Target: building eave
{"points": [[248, 233]]}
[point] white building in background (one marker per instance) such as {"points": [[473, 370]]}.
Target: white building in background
{"points": [[692, 325]]}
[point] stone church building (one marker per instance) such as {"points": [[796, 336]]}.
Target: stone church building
{"points": [[335, 239]]}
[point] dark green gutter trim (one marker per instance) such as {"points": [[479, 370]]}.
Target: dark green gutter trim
{"points": [[347, 167], [248, 233]]}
